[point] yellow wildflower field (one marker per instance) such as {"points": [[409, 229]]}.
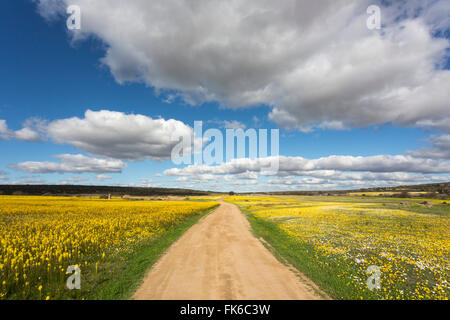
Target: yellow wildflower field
{"points": [[41, 236], [336, 239]]}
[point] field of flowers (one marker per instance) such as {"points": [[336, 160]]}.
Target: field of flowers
{"points": [[41, 236], [335, 239]]}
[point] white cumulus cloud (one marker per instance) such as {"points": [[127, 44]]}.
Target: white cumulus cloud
{"points": [[119, 135], [440, 148], [72, 163], [314, 62], [27, 133], [298, 165]]}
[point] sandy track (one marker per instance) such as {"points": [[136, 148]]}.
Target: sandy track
{"points": [[219, 258]]}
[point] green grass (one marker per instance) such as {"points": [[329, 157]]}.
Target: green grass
{"points": [[119, 277], [306, 259]]}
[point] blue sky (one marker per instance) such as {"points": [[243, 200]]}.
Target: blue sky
{"points": [[47, 75]]}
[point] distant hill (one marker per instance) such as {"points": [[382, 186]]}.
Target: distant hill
{"points": [[441, 190], [431, 187], [100, 190]]}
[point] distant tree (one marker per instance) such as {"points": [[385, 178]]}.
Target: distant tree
{"points": [[404, 194], [231, 193]]}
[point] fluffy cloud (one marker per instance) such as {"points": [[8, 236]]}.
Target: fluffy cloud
{"points": [[73, 163], [247, 175], [322, 184], [442, 124], [314, 62], [333, 172], [440, 149], [73, 180], [102, 177], [299, 165], [318, 177], [27, 133], [3, 130], [145, 182], [119, 135], [3, 176]]}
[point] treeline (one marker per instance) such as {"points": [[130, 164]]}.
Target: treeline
{"points": [[440, 188], [80, 189], [432, 190]]}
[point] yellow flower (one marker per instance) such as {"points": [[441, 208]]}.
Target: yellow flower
{"points": [[348, 234], [41, 236]]}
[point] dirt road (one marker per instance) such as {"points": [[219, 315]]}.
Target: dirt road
{"points": [[219, 258]]}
